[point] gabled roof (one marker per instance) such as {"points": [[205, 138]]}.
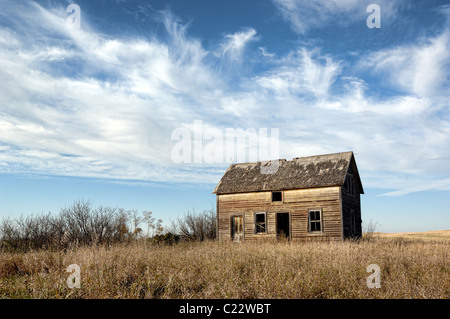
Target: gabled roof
{"points": [[301, 172]]}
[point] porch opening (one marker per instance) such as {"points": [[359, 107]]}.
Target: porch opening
{"points": [[283, 229]]}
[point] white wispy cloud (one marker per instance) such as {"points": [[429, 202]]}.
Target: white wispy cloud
{"points": [[305, 15], [234, 44], [77, 102], [301, 72], [420, 69], [265, 53], [122, 117]]}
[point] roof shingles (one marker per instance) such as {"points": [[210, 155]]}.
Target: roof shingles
{"points": [[301, 172]]}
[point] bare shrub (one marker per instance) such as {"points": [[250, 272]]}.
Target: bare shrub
{"points": [[88, 226], [30, 232], [79, 224], [369, 230], [195, 226]]}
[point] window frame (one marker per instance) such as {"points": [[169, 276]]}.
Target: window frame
{"points": [[256, 232], [320, 210], [277, 201]]}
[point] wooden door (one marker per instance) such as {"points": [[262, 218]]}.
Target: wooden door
{"points": [[237, 228]]}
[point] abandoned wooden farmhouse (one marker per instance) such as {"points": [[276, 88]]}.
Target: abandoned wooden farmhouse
{"points": [[308, 198]]}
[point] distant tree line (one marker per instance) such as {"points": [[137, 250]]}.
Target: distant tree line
{"points": [[82, 224]]}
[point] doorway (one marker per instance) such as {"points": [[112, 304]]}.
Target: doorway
{"points": [[237, 228], [283, 229]]}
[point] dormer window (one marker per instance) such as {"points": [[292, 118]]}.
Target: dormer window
{"points": [[277, 196]]}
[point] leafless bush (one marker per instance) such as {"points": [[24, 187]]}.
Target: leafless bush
{"points": [[195, 226], [31, 232], [77, 225], [89, 226], [369, 230]]}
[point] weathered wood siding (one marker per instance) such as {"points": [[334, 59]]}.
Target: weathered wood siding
{"points": [[351, 204], [295, 202]]}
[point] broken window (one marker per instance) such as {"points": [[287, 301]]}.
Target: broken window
{"points": [[315, 220], [277, 197], [260, 223]]}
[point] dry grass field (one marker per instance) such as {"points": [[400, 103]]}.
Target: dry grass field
{"points": [[409, 268], [429, 235]]}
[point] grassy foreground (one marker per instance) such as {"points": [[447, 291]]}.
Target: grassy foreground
{"points": [[409, 269]]}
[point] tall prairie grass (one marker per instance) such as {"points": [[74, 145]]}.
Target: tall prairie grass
{"points": [[409, 269]]}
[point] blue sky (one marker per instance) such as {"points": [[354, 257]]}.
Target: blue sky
{"points": [[89, 112]]}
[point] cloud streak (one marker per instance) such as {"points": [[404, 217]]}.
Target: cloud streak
{"points": [[301, 73], [234, 44], [305, 16], [82, 103], [419, 69]]}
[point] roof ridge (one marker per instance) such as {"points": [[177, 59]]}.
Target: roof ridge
{"points": [[295, 158], [259, 162], [320, 155]]}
